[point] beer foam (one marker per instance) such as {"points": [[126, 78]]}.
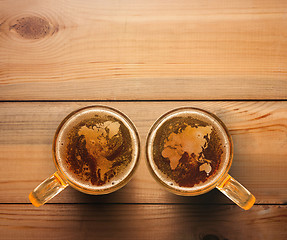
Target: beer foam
{"points": [[61, 143], [184, 141]]}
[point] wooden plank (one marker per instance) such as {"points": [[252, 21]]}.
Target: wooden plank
{"points": [[143, 49], [142, 222], [258, 130]]}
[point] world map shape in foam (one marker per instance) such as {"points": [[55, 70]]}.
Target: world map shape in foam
{"points": [[98, 144], [191, 140]]}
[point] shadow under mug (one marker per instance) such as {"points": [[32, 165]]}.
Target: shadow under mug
{"points": [[189, 152], [102, 132]]}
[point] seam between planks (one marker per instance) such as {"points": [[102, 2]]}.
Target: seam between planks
{"points": [[147, 100], [155, 204]]}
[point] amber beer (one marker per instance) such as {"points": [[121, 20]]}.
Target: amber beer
{"points": [[96, 151], [189, 151]]}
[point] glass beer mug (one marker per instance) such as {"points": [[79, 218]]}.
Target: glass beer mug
{"points": [[95, 151], [189, 152]]}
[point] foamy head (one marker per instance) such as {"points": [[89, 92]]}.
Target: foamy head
{"points": [[188, 151], [96, 149]]}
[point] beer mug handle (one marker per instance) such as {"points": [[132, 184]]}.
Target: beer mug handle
{"points": [[47, 190], [236, 192]]}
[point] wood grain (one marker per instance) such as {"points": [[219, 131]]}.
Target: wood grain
{"points": [[142, 222], [140, 49], [143, 50], [258, 130]]}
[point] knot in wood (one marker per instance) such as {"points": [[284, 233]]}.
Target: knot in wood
{"points": [[210, 237], [32, 27]]}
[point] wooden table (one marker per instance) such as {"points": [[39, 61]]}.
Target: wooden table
{"points": [[143, 58]]}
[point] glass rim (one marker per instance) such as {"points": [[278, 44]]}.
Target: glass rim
{"points": [[131, 127], [149, 142]]}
